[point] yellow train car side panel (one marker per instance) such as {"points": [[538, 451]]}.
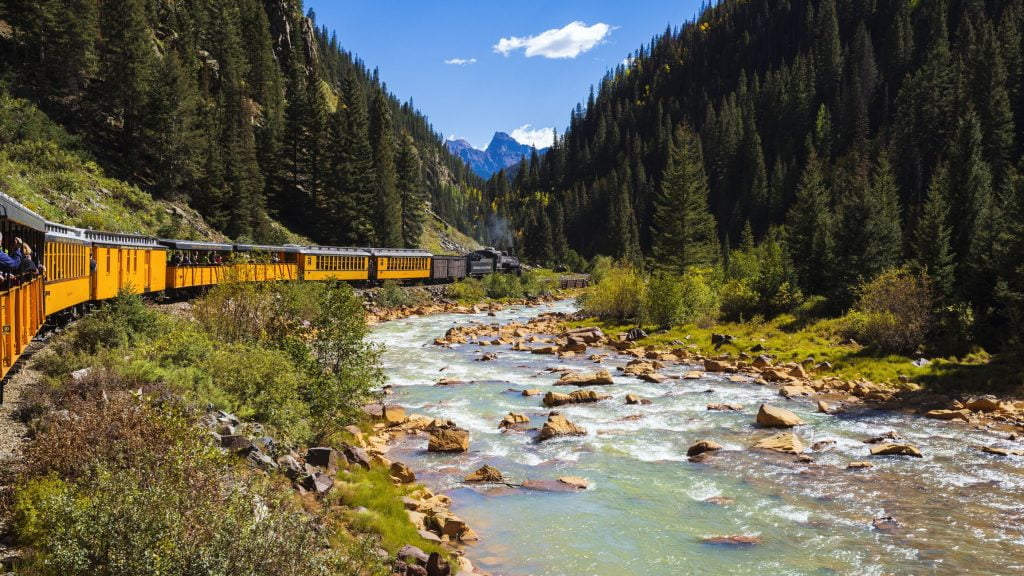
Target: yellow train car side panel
{"points": [[330, 267], [22, 314], [403, 267], [63, 294], [106, 279], [156, 270]]}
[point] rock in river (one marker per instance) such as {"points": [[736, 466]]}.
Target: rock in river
{"points": [[558, 425], [598, 378], [451, 439], [895, 450], [774, 417], [703, 446], [486, 474], [786, 442], [552, 399]]}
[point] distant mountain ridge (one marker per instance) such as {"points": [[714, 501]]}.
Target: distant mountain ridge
{"points": [[504, 151]]}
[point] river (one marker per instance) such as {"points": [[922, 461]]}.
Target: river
{"points": [[646, 512]]}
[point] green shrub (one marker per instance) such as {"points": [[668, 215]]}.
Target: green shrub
{"points": [[391, 295], [467, 290], [699, 296], [663, 300], [539, 282], [618, 296], [599, 267], [263, 385], [123, 321], [893, 311], [739, 300], [503, 286]]}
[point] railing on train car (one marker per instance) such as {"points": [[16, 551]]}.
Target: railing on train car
{"points": [[575, 281]]}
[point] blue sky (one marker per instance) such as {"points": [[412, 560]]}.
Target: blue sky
{"points": [[476, 67]]}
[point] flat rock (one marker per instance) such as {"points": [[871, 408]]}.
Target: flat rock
{"points": [[512, 420], [785, 442], [726, 407], [693, 375], [859, 465], [792, 390], [963, 414], [775, 417], [597, 378], [531, 392], [895, 450], [577, 482], [1002, 451], [654, 378], [732, 540]]}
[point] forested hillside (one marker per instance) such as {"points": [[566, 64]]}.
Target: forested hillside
{"points": [[856, 135], [244, 109]]}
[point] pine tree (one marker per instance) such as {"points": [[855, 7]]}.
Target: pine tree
{"points": [[932, 242], [351, 193], [971, 208], [388, 216], [684, 231], [809, 225], [410, 190], [171, 128]]}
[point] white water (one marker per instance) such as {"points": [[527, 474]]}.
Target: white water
{"points": [[961, 511]]}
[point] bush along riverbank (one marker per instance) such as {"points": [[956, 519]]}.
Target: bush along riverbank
{"points": [[392, 301], [226, 436]]}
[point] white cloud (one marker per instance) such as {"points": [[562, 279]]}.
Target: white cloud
{"points": [[569, 41], [539, 138], [461, 61]]}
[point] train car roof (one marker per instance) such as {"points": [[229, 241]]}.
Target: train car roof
{"points": [[399, 253], [118, 239], [195, 245], [64, 233], [17, 212], [265, 248], [333, 251]]}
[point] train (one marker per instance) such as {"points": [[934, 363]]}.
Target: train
{"points": [[81, 267]]}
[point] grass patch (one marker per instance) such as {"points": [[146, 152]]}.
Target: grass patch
{"points": [[791, 339], [376, 507]]}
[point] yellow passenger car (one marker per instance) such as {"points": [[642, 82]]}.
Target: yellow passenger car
{"points": [[329, 263], [255, 263], [396, 264], [196, 264], [21, 295], [66, 258], [126, 262]]}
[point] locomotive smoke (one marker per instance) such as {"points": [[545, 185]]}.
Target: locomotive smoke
{"points": [[499, 233]]}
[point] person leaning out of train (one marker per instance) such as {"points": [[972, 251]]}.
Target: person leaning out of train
{"points": [[11, 263], [28, 261]]}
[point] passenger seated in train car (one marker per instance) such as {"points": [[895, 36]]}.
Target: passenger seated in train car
{"points": [[176, 258], [218, 259], [10, 264], [29, 266], [274, 259]]}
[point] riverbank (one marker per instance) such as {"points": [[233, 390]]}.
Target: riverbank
{"points": [[634, 449], [808, 363]]}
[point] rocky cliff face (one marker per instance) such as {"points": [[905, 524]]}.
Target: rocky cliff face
{"points": [[504, 151], [284, 17]]}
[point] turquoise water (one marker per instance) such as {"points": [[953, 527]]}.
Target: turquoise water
{"points": [[960, 511]]}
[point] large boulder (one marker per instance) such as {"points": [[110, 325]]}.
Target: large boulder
{"points": [[553, 399], [987, 403], [775, 417], [449, 439], [598, 378], [558, 425], [776, 375], [324, 457], [718, 366], [895, 450], [654, 378], [785, 442], [486, 474], [792, 390], [356, 455]]}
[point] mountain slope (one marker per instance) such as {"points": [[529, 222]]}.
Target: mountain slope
{"points": [[502, 152], [232, 107]]}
